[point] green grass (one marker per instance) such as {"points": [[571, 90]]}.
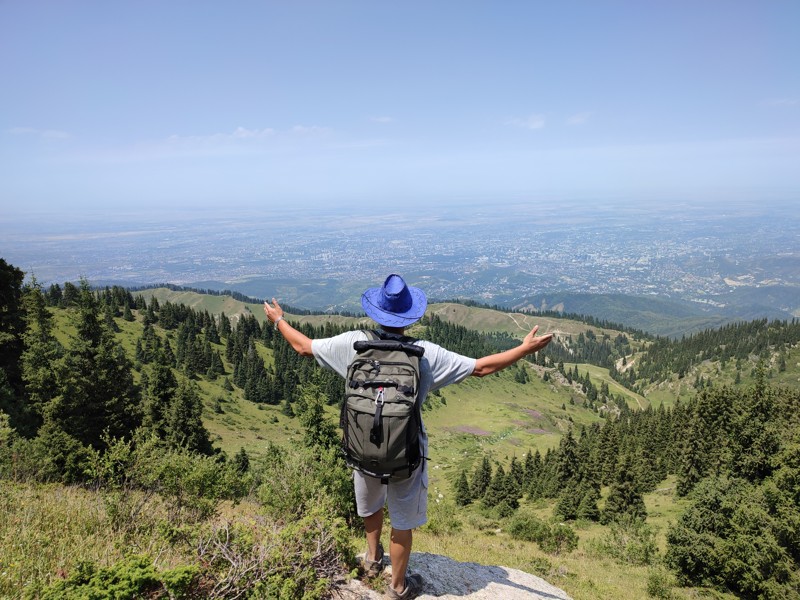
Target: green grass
{"points": [[46, 530], [581, 573]]}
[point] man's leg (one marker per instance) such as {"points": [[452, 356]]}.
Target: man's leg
{"points": [[373, 525], [400, 552]]}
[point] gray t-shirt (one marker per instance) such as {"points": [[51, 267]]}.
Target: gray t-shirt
{"points": [[438, 367]]}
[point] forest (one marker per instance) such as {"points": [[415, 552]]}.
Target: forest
{"points": [[89, 406]]}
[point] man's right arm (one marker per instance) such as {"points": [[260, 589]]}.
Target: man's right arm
{"points": [[297, 339]]}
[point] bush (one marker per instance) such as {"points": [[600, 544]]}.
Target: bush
{"points": [[659, 584], [192, 484], [259, 561], [630, 541], [443, 519], [562, 539], [740, 537], [132, 577], [553, 539], [291, 483]]}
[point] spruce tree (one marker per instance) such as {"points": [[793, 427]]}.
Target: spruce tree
{"points": [[159, 393], [185, 427], [482, 479], [12, 328], [624, 497], [318, 430], [462, 491], [241, 461], [96, 390], [497, 491], [40, 360]]}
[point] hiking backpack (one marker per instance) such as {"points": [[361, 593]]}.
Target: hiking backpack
{"points": [[380, 417]]}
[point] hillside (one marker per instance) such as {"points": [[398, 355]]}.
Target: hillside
{"points": [[556, 441]]}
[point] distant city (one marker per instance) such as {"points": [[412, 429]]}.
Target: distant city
{"points": [[491, 254]]}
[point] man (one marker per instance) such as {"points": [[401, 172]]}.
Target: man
{"points": [[395, 306]]}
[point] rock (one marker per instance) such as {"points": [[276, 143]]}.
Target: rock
{"points": [[448, 579]]}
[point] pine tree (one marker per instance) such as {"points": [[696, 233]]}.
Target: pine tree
{"points": [[319, 432], [185, 427], [588, 495], [462, 491], [482, 479], [40, 360], [241, 461], [96, 390], [159, 393], [624, 498], [496, 492], [12, 328]]}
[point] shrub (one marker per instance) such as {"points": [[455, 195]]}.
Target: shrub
{"points": [[562, 539], [130, 578], [630, 541], [193, 485], [553, 539], [659, 584], [296, 561], [443, 519], [291, 483]]}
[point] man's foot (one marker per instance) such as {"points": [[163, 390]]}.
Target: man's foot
{"points": [[373, 568], [414, 584]]}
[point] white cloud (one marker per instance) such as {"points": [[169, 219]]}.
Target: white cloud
{"points": [[240, 133], [529, 122], [579, 118], [309, 129], [51, 134], [782, 102]]}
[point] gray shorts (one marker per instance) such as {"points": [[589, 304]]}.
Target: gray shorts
{"points": [[408, 498]]}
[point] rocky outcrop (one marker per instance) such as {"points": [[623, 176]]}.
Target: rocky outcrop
{"points": [[449, 579]]}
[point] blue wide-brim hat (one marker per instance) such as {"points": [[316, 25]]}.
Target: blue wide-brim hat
{"points": [[394, 304]]}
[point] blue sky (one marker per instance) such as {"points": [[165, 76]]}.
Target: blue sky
{"points": [[141, 105]]}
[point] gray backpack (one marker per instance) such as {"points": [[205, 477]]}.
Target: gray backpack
{"points": [[380, 417]]}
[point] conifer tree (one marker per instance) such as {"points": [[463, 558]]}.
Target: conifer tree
{"points": [[463, 496], [497, 491], [185, 427], [588, 495], [482, 479], [318, 430], [159, 392], [40, 360], [12, 328], [97, 394], [241, 461], [624, 497]]}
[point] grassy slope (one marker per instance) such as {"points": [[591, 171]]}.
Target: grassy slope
{"points": [[500, 409], [494, 416]]}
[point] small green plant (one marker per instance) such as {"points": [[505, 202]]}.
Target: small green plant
{"points": [[443, 518], [659, 584]]}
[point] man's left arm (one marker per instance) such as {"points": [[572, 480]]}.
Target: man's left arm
{"points": [[497, 362]]}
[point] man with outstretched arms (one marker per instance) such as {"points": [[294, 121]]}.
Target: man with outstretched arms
{"points": [[395, 306]]}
